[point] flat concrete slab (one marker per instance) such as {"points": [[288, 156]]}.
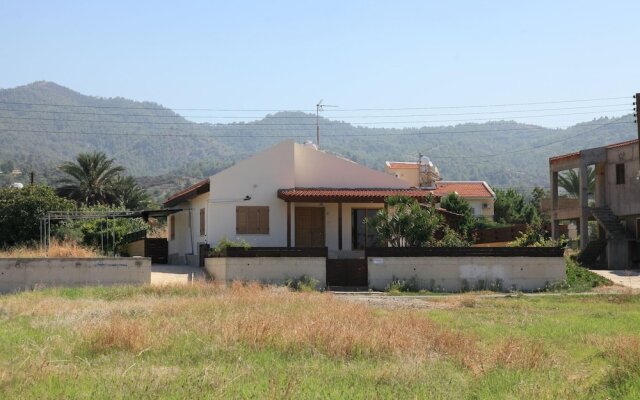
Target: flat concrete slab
{"points": [[164, 274], [626, 278]]}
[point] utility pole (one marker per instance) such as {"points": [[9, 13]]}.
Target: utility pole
{"points": [[635, 114], [31, 177], [319, 107]]}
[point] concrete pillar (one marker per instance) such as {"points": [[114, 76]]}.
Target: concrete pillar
{"points": [[584, 205], [600, 193], [555, 233]]}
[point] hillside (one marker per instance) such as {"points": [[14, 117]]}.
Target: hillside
{"points": [[152, 141]]}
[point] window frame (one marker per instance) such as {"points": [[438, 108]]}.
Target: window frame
{"points": [[355, 224]]}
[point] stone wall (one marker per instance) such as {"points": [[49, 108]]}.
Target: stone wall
{"points": [[28, 273]]}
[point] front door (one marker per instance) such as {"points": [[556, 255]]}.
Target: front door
{"points": [[310, 230]]}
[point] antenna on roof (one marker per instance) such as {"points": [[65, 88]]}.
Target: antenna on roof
{"points": [[319, 107]]}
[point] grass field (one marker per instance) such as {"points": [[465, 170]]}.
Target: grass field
{"points": [[204, 341]]}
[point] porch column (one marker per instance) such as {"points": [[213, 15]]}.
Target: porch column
{"points": [[555, 232], [584, 205], [601, 201], [288, 224], [339, 226]]}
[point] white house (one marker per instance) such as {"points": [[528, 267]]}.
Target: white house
{"points": [[290, 195]]}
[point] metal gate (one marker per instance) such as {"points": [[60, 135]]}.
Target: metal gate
{"points": [[157, 249], [348, 272]]}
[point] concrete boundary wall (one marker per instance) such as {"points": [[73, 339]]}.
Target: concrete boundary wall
{"points": [[454, 274], [28, 273], [273, 270]]}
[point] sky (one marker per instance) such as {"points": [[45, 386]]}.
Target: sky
{"points": [[242, 55]]}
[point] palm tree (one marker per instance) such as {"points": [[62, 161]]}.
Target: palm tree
{"points": [[570, 182], [128, 193], [90, 179]]}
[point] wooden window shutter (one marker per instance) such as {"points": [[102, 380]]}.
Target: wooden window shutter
{"points": [[242, 220], [263, 220], [202, 222], [172, 227]]}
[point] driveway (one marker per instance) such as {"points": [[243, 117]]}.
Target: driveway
{"points": [[626, 278], [163, 274]]}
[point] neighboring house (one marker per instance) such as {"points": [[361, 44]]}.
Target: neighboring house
{"points": [[617, 202], [477, 193], [291, 195]]}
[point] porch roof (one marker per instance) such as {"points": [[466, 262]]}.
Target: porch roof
{"points": [[349, 195]]}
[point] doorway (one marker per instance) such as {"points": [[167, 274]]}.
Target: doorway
{"points": [[310, 227]]}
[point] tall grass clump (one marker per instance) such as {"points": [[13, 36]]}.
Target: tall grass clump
{"points": [[56, 249]]}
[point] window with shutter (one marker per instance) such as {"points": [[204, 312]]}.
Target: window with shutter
{"points": [[172, 227], [252, 220]]}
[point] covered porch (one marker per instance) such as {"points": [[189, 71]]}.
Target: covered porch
{"points": [[335, 218]]}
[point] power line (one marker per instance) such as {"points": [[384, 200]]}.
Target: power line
{"points": [[309, 116], [312, 110], [354, 123], [214, 136]]}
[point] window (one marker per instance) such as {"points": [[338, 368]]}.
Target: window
{"points": [[252, 220], [362, 235], [619, 174], [202, 222], [172, 227]]}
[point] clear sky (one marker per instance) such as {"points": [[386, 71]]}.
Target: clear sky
{"points": [[355, 54]]}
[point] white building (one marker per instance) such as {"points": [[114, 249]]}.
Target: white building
{"points": [[291, 195]]}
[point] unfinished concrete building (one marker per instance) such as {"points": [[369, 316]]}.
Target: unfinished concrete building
{"points": [[614, 204]]}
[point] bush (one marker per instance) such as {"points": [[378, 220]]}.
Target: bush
{"points": [[225, 242], [304, 283], [579, 279], [401, 286], [22, 209]]}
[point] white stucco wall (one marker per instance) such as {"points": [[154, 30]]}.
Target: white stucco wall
{"points": [[187, 235], [453, 274]]}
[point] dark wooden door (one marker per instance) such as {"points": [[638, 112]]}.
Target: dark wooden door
{"points": [[203, 251], [310, 227], [350, 273]]}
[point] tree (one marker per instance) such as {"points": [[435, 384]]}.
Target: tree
{"points": [[570, 181], [127, 193], [90, 179], [454, 203], [404, 223], [22, 209]]}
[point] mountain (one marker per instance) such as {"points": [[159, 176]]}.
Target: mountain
{"points": [[43, 124]]}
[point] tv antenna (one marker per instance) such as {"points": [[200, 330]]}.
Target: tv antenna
{"points": [[319, 107]]}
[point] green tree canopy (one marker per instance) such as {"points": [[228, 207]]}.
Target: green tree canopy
{"points": [[127, 193], [22, 209]]}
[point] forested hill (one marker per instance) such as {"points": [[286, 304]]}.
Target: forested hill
{"points": [[150, 140]]}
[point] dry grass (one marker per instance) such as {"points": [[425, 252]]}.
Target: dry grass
{"points": [[117, 333], [57, 249], [269, 318]]}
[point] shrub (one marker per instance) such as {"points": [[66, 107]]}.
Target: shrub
{"points": [[225, 242], [402, 285], [304, 283]]}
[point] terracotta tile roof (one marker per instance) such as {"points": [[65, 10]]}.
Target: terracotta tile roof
{"points": [[188, 193], [347, 194], [402, 165], [465, 189], [576, 155]]}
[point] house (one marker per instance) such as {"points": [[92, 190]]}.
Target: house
{"points": [[290, 195], [477, 193], [616, 205]]}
